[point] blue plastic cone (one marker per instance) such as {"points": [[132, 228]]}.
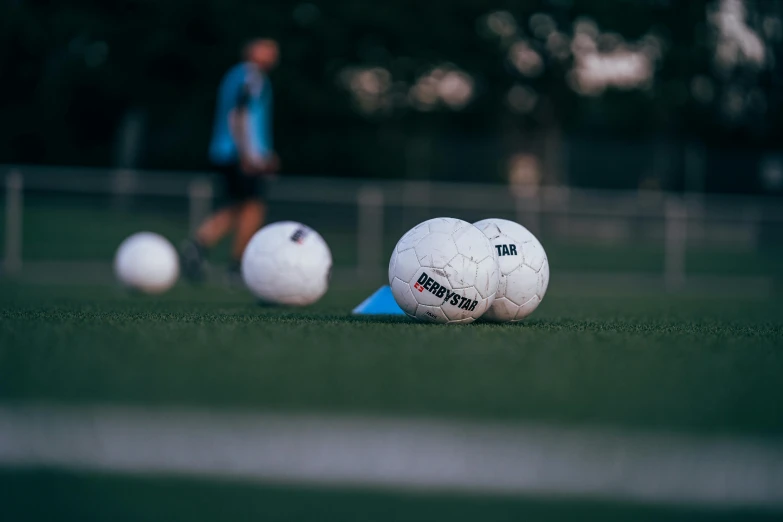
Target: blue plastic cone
{"points": [[380, 303]]}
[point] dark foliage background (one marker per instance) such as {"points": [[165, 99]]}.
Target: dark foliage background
{"points": [[72, 72]]}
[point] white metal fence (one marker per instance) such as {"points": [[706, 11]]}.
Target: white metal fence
{"points": [[383, 208]]}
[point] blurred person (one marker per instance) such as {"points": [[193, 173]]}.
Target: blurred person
{"points": [[241, 151]]}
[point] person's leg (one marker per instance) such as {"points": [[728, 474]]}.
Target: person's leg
{"points": [[249, 219], [251, 215], [217, 226], [193, 250]]}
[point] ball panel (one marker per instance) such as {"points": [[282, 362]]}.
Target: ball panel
{"points": [[502, 284], [495, 227], [432, 314], [490, 227], [436, 250], [484, 305], [461, 272], [407, 265], [467, 320], [533, 254], [487, 277], [404, 297], [515, 231], [502, 310], [521, 285], [473, 244], [527, 308], [413, 236], [392, 265], [449, 226], [543, 280]]}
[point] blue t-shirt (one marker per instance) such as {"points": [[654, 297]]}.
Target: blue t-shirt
{"points": [[244, 88]]}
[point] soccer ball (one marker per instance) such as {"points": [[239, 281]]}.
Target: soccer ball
{"points": [[524, 270], [287, 263], [147, 262], [445, 271]]}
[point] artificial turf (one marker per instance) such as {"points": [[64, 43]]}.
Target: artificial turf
{"points": [[651, 361], [636, 360]]}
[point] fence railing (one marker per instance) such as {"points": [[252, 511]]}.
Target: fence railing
{"points": [[608, 216]]}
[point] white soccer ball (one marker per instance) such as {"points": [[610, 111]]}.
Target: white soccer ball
{"points": [[287, 263], [445, 271], [524, 270], [147, 262]]}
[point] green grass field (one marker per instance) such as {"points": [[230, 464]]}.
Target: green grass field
{"points": [[619, 357], [653, 361]]}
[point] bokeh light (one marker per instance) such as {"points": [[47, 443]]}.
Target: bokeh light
{"points": [[522, 99]]}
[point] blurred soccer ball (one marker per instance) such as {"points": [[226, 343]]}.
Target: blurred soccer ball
{"points": [[524, 270], [147, 262], [445, 271], [287, 263]]}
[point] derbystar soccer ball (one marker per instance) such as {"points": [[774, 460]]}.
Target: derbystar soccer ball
{"points": [[524, 270], [445, 271], [287, 263], [147, 262]]}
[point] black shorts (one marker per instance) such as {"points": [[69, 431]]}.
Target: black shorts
{"points": [[240, 187]]}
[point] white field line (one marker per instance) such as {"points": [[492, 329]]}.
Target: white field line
{"points": [[399, 454]]}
